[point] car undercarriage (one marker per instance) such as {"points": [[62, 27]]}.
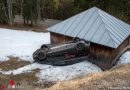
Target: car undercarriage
{"points": [[63, 54]]}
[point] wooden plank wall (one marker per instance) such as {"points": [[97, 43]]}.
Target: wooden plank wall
{"points": [[101, 55], [124, 44], [57, 38]]}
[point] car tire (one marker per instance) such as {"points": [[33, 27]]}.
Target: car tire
{"points": [[45, 47], [76, 39], [39, 55], [87, 43], [80, 46]]}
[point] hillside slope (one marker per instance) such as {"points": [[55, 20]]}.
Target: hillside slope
{"points": [[116, 78]]}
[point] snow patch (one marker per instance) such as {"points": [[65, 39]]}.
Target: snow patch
{"points": [[67, 72], [125, 58], [20, 44]]}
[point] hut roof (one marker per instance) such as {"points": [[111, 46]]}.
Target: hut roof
{"points": [[96, 26]]}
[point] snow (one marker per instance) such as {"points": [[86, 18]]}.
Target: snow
{"points": [[67, 72], [56, 73], [20, 43], [125, 58]]}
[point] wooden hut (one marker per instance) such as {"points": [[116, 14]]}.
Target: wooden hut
{"points": [[107, 34]]}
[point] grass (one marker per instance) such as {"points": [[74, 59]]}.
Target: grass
{"points": [[24, 80], [28, 80], [13, 63]]}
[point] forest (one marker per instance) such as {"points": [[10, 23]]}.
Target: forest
{"points": [[33, 11]]}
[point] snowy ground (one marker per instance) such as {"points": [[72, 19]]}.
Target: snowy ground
{"points": [[22, 44], [56, 73]]}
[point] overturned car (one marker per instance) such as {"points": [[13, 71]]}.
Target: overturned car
{"points": [[63, 54]]}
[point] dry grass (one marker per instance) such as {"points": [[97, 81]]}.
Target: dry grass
{"points": [[25, 80], [28, 80], [13, 63], [117, 77]]}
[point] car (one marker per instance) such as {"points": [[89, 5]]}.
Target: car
{"points": [[68, 53]]}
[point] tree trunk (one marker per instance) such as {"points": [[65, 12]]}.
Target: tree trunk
{"points": [[22, 13], [38, 11], [4, 10], [10, 15]]}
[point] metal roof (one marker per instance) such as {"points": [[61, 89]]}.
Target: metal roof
{"points": [[96, 26]]}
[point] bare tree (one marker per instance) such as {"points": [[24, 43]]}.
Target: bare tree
{"points": [[22, 11], [4, 8], [38, 11], [10, 15]]}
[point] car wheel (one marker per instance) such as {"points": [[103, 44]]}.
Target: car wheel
{"points": [[87, 43], [39, 55], [80, 46], [45, 47], [76, 39]]}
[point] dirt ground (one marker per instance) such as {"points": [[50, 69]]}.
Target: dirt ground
{"points": [[35, 28]]}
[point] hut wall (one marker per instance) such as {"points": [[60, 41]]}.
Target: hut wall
{"points": [[57, 38], [104, 56], [124, 44], [101, 55]]}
